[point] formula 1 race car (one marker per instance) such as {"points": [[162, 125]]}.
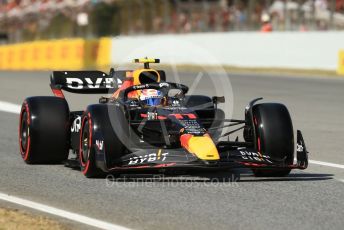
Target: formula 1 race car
{"points": [[149, 124]]}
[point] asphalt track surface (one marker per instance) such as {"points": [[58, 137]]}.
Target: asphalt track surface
{"points": [[310, 199]]}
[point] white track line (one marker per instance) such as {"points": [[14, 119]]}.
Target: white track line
{"points": [[9, 107], [61, 213], [326, 164]]}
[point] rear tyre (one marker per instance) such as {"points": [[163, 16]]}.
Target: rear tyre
{"points": [[275, 136], [43, 130]]}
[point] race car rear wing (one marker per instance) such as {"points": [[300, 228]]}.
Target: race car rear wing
{"points": [[89, 82], [86, 82]]}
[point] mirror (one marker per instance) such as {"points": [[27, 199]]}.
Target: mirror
{"points": [[175, 93]]}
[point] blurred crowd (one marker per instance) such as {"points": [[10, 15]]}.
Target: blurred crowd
{"points": [[37, 19], [281, 15], [21, 8]]}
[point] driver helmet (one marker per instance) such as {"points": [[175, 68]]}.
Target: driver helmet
{"points": [[151, 97]]}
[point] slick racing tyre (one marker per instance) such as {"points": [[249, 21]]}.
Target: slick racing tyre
{"points": [[96, 119], [43, 130], [86, 151], [275, 137]]}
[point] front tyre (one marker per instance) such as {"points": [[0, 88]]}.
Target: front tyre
{"points": [[86, 149], [274, 136]]}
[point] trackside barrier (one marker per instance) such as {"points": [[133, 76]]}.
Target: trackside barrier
{"points": [[69, 54], [340, 69], [281, 50], [294, 50]]}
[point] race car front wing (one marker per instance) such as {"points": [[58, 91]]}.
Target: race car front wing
{"points": [[236, 157]]}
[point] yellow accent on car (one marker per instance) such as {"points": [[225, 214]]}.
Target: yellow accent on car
{"points": [[159, 154], [136, 75], [146, 60], [203, 147]]}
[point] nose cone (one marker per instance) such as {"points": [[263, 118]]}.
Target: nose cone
{"points": [[201, 146]]}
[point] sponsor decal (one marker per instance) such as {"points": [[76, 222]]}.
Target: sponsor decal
{"points": [[140, 86], [299, 148], [76, 126], [178, 116], [164, 84], [100, 144], [175, 103], [247, 155], [152, 116], [77, 83], [148, 158], [192, 127]]}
